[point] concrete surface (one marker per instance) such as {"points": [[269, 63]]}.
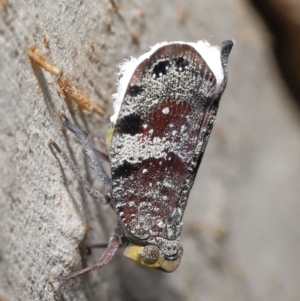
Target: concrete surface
{"points": [[241, 228]]}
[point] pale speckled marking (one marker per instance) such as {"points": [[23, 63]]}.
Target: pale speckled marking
{"points": [[138, 148], [144, 222], [166, 110]]}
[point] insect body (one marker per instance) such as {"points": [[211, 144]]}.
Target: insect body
{"points": [[164, 112]]}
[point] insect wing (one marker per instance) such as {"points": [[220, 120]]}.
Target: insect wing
{"points": [[159, 138]]}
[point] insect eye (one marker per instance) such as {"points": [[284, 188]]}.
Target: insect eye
{"points": [[151, 254]]}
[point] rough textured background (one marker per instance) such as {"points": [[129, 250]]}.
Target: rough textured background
{"points": [[241, 228]]}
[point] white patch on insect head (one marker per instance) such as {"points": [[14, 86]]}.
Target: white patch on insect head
{"points": [[210, 54], [166, 110]]}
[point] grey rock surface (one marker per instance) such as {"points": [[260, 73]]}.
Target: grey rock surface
{"points": [[241, 227]]}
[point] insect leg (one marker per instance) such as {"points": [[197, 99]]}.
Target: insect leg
{"points": [[108, 254], [89, 247], [88, 149], [101, 155], [97, 195]]}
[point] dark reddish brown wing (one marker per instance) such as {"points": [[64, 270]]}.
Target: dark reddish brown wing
{"points": [[158, 139]]}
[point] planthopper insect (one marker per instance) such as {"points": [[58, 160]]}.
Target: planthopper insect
{"points": [[165, 107]]}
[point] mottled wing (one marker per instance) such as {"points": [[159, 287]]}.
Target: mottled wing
{"points": [[159, 138]]}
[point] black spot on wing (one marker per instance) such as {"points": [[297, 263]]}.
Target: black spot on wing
{"points": [[123, 171], [181, 64], [160, 69], [130, 124], [134, 90]]}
